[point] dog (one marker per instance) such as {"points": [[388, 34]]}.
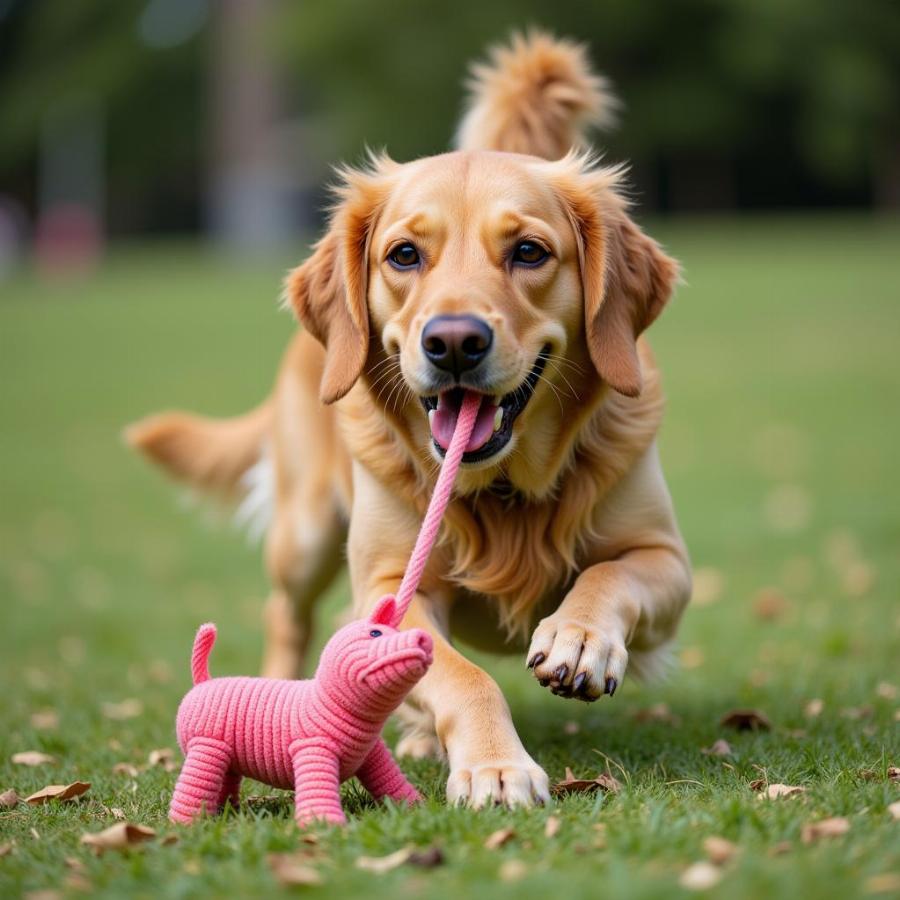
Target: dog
{"points": [[511, 267]]}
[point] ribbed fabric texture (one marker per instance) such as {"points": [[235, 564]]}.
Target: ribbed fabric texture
{"points": [[311, 735]]}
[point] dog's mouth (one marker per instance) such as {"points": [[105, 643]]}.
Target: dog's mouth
{"points": [[496, 416]]}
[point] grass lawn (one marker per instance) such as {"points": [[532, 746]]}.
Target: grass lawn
{"points": [[781, 442]]}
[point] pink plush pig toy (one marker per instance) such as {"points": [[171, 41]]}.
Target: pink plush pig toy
{"points": [[310, 735]]}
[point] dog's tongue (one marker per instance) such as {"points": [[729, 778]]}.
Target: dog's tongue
{"points": [[443, 420]]}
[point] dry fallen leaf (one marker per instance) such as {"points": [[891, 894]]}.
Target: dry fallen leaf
{"points": [[571, 728], [692, 658], [746, 720], [381, 864], [886, 883], [894, 810], [552, 826], [855, 713], [33, 758], [719, 850], [125, 768], [720, 748], [824, 828], [117, 813], [45, 719], [814, 708], [774, 791], [513, 870], [164, 756], [6, 849], [126, 709], [58, 792], [572, 785], [9, 799], [120, 836], [293, 869], [887, 691], [708, 584], [499, 838], [857, 578], [780, 848], [893, 773], [659, 712], [701, 876], [428, 858], [769, 604]]}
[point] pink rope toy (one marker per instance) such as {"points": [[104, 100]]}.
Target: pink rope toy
{"points": [[312, 734]]}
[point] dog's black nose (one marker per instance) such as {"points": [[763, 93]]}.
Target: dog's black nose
{"points": [[456, 344]]}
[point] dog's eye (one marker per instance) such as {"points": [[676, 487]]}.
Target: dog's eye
{"points": [[404, 256], [374, 633], [529, 253]]}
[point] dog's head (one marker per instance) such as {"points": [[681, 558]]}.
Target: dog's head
{"points": [[519, 278]]}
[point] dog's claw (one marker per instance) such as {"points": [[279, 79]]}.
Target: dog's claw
{"points": [[536, 660], [544, 682], [611, 685], [578, 683], [560, 674]]}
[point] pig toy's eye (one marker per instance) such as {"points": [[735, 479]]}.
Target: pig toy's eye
{"points": [[374, 633]]}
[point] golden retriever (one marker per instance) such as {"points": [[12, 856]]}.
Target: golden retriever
{"points": [[509, 267]]}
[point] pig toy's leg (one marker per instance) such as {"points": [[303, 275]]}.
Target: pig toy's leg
{"points": [[231, 790], [381, 776], [317, 783], [200, 784]]}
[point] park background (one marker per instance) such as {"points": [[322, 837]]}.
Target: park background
{"points": [[162, 163]]}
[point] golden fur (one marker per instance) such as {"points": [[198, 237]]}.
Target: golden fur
{"points": [[571, 520]]}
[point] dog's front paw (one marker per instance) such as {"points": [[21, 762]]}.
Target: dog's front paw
{"points": [[576, 659], [510, 783]]}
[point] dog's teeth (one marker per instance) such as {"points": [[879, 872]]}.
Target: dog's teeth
{"points": [[498, 418], [431, 413]]}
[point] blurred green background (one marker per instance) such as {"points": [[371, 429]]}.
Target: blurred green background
{"points": [[161, 165]]}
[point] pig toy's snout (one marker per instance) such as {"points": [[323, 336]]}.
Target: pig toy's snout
{"points": [[425, 644]]}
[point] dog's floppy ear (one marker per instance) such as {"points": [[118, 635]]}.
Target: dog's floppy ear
{"points": [[626, 275], [329, 291]]}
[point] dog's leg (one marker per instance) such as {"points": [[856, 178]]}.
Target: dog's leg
{"points": [[303, 554], [629, 603]]}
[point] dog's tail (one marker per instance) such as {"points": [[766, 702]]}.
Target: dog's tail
{"points": [[203, 644], [209, 454], [536, 95]]}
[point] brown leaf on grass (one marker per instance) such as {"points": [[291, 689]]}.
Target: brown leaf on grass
{"points": [[497, 839], [126, 709], [121, 836], [824, 828], [164, 756], [708, 584], [719, 850], [572, 785], [769, 604], [33, 758], [886, 883], [427, 858], [858, 578], [691, 658], [775, 791], [116, 813], [571, 728], [887, 691], [125, 768], [512, 870], [814, 708], [894, 810], [746, 720], [9, 799], [552, 826], [893, 773], [381, 864], [701, 876], [659, 712], [780, 848], [855, 713], [168, 840], [58, 792], [45, 719], [6, 849], [293, 869], [721, 747]]}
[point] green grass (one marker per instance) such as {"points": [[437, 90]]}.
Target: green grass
{"points": [[780, 444]]}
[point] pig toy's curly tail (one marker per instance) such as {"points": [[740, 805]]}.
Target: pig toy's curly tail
{"points": [[203, 644]]}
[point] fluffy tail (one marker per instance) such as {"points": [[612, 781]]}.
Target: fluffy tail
{"points": [[203, 644], [537, 96], [211, 454]]}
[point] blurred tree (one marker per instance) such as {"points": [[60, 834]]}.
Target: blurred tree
{"points": [[754, 103]]}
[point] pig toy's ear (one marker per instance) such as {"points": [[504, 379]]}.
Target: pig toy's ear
{"points": [[386, 613]]}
